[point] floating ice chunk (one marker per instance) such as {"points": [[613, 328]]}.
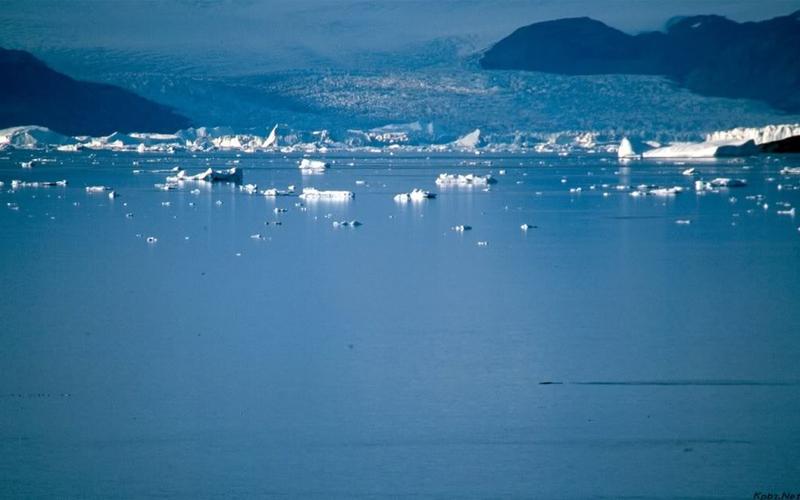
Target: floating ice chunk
{"points": [[344, 223], [273, 192], [314, 165], [279, 210], [97, 189], [26, 164], [461, 228], [315, 194], [17, 184], [625, 150], [12, 205], [469, 141], [249, 188], [789, 212], [256, 236], [670, 191], [708, 149], [728, 182], [112, 195], [272, 139], [790, 171], [152, 239], [688, 171], [525, 227], [233, 174], [683, 221], [446, 179], [414, 195]]}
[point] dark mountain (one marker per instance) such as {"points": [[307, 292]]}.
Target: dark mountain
{"points": [[710, 55], [33, 94]]}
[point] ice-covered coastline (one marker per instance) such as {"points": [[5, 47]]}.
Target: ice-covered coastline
{"points": [[410, 137]]}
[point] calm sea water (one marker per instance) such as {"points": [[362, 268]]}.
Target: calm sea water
{"points": [[398, 358]]}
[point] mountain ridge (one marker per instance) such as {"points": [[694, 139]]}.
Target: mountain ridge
{"points": [[33, 93], [708, 54]]}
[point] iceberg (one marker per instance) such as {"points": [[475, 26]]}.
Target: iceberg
{"points": [[32, 137], [625, 150], [708, 149], [415, 195], [469, 141], [312, 165], [97, 189], [446, 179], [272, 139], [311, 194], [17, 184], [228, 175]]}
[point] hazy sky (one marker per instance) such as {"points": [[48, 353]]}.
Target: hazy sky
{"points": [[292, 30]]}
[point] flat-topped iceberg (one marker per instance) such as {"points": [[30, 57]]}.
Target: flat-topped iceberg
{"points": [[708, 149], [316, 194], [446, 179]]}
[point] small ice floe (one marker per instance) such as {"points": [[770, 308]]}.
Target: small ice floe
{"points": [[312, 165], [233, 174], [12, 205], [483, 243], [446, 179], [195, 191], [683, 222], [170, 186], [274, 192], [315, 194], [344, 223], [790, 171], [112, 195], [97, 189], [278, 210], [728, 182], [790, 212], [152, 239], [461, 228], [256, 236], [414, 195], [249, 188], [17, 184], [26, 164], [166, 203], [575, 190], [129, 215], [360, 182], [501, 172], [688, 171], [645, 190], [525, 227]]}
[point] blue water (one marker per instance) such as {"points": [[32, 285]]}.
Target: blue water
{"points": [[398, 358]]}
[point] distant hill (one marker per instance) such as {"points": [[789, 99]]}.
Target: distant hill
{"points": [[710, 55], [33, 94]]}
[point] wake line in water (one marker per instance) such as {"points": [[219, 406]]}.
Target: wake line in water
{"points": [[702, 383]]}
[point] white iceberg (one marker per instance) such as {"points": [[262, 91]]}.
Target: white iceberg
{"points": [[469, 141], [97, 189], [315, 194], [415, 195], [708, 149], [446, 179], [626, 151], [313, 165], [210, 175]]}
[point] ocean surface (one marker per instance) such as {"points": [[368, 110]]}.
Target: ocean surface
{"points": [[608, 351]]}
